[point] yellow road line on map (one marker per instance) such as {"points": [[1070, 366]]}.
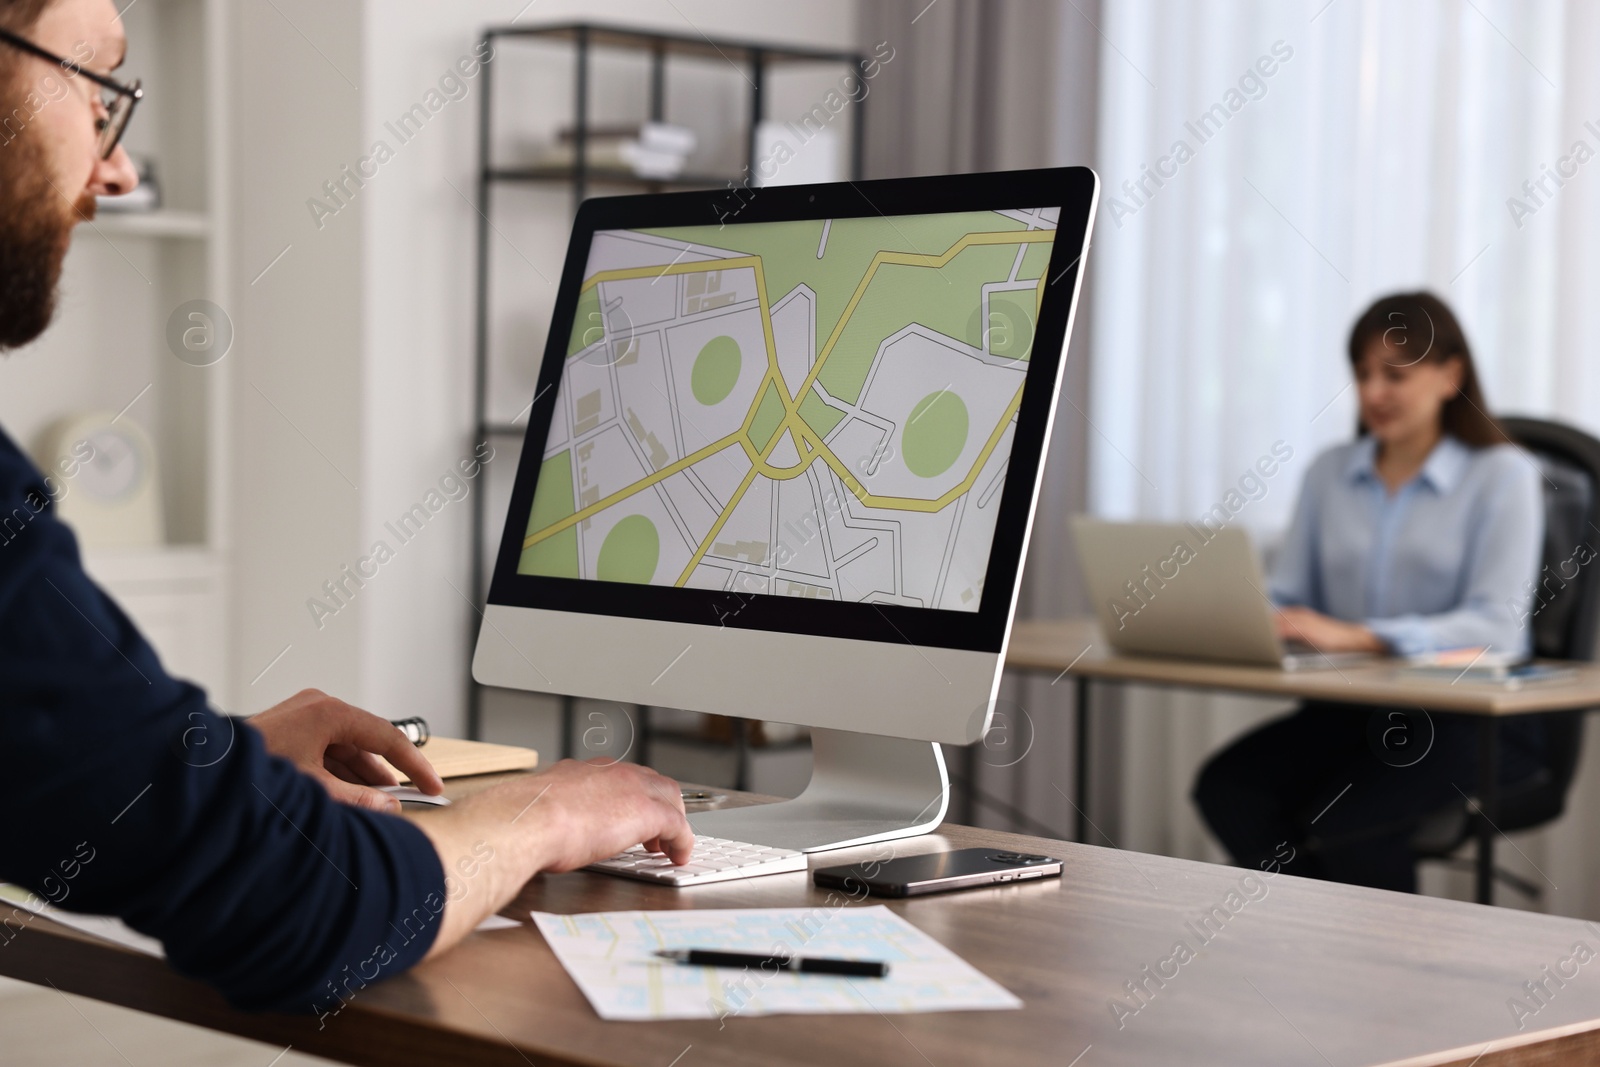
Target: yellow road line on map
{"points": [[722, 519], [694, 266], [716, 527], [792, 421], [903, 503], [914, 259], [633, 487]]}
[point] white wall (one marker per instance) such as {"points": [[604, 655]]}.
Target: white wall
{"points": [[363, 332], [297, 366]]}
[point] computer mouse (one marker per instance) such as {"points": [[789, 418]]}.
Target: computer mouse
{"points": [[408, 794]]}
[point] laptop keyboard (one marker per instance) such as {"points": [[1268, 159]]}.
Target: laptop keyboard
{"points": [[715, 859]]}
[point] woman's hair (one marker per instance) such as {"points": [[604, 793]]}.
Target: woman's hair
{"points": [[1419, 326]]}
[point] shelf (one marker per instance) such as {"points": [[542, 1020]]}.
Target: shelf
{"points": [[126, 279], [604, 176], [159, 223], [752, 61], [163, 563], [675, 44]]}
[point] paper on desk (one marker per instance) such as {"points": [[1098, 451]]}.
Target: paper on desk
{"points": [[110, 928], [105, 927], [610, 955]]}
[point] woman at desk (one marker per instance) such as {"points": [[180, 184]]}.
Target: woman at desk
{"points": [[1421, 535]]}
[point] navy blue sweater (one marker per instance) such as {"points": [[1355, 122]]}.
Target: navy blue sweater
{"points": [[131, 797]]}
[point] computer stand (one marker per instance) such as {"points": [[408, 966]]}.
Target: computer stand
{"points": [[864, 788]]}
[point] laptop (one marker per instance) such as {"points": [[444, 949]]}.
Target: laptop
{"points": [[1189, 591]]}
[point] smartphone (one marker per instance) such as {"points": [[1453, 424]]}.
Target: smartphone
{"points": [[937, 872]]}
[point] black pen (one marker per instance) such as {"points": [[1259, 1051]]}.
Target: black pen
{"points": [[710, 957]]}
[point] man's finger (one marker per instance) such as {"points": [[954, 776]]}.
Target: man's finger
{"points": [[359, 796], [677, 842], [366, 768], [368, 732], [338, 769], [676, 838]]}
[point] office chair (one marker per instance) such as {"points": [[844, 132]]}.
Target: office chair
{"points": [[1564, 627]]}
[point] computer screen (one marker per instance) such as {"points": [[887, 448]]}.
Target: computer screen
{"points": [[814, 408], [784, 450], [817, 411]]}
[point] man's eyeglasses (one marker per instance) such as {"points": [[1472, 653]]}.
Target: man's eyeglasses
{"points": [[116, 98]]}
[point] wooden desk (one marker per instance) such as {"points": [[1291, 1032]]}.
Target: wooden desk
{"points": [[1305, 973], [1076, 646]]}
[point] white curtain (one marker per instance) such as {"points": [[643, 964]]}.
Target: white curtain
{"points": [[1269, 168]]}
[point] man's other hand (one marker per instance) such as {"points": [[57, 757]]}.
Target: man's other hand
{"points": [[338, 745]]}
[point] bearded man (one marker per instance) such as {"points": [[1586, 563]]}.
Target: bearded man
{"points": [[245, 863]]}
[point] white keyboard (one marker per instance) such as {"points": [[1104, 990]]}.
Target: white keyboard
{"points": [[715, 859]]}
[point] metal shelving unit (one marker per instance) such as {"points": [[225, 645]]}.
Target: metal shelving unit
{"points": [[753, 62]]}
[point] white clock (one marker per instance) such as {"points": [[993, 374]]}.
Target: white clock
{"points": [[102, 472]]}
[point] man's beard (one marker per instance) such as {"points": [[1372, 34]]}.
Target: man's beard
{"points": [[36, 223]]}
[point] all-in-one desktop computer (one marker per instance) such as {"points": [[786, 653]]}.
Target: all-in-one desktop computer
{"points": [[781, 464]]}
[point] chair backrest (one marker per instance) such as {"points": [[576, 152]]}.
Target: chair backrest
{"points": [[1566, 608]]}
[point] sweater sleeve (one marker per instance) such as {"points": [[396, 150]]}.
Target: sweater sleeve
{"points": [[138, 800]]}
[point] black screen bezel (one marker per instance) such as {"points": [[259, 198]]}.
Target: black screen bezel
{"points": [[1072, 189]]}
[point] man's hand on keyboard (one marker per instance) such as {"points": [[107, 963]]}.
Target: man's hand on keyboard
{"points": [[590, 809], [560, 819]]}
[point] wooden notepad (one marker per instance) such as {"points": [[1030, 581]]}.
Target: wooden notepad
{"points": [[453, 757]]}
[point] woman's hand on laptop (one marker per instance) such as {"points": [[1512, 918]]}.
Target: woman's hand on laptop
{"points": [[338, 744], [1324, 633]]}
